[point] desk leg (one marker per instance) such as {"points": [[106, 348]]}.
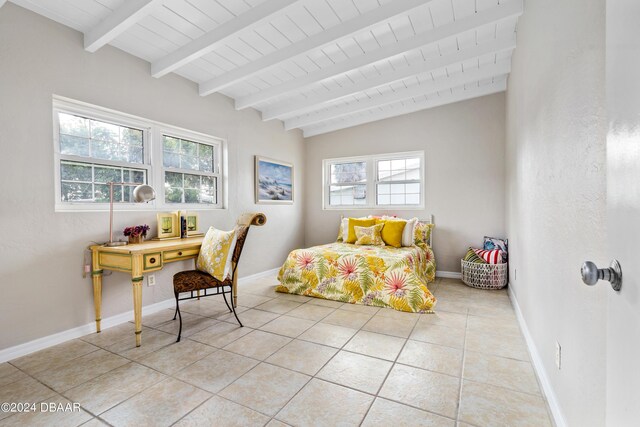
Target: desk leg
{"points": [[96, 277], [137, 308]]}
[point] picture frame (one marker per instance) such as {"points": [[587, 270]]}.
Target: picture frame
{"points": [[274, 181], [168, 225], [193, 224]]}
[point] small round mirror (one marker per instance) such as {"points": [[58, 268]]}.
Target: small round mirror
{"points": [[143, 193]]}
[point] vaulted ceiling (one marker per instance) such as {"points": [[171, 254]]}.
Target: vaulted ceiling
{"points": [[317, 65]]}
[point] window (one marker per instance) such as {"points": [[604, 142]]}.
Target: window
{"points": [[95, 146], [388, 180], [191, 171]]}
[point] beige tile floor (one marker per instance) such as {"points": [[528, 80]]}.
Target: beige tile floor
{"points": [[298, 361]]}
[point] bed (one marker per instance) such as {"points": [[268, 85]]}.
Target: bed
{"points": [[380, 276]]}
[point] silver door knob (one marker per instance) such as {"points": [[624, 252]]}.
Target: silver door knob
{"points": [[591, 274]]}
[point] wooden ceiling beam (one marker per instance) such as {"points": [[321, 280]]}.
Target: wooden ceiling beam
{"points": [[430, 87], [119, 21], [317, 41], [213, 39], [505, 10], [409, 108]]}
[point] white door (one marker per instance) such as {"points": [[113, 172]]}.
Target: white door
{"points": [[623, 210]]}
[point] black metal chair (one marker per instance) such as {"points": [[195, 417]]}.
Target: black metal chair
{"points": [[194, 281]]}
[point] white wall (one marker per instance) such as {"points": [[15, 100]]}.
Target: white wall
{"points": [[42, 291], [464, 157], [556, 130]]}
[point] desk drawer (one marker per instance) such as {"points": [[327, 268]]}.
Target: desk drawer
{"points": [[152, 261], [181, 254]]}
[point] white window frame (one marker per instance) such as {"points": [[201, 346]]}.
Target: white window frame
{"points": [[219, 173], [152, 158], [372, 181]]}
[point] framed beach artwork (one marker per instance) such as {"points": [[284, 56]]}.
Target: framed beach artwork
{"points": [[274, 181], [192, 224], [168, 225]]}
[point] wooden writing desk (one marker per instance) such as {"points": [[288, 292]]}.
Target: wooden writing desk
{"points": [[136, 260]]}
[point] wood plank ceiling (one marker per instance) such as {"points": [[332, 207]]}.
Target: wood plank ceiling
{"points": [[317, 65]]}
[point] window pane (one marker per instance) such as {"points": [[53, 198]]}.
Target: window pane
{"points": [[398, 176], [81, 136], [413, 163], [102, 193], [171, 160], [173, 179], [173, 195], [384, 165], [398, 165], [74, 145], [131, 136], [397, 188], [106, 174], [348, 195], [189, 162], [75, 172], [348, 172], [170, 144], [105, 131], [188, 147], [384, 199], [190, 188], [191, 181], [72, 192], [96, 177], [191, 195], [397, 199], [413, 199], [73, 125], [384, 188], [413, 174], [413, 188]]}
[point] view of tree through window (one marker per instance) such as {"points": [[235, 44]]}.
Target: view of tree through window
{"points": [[180, 187], [80, 136]]}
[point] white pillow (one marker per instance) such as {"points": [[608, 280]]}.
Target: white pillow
{"points": [[409, 231], [345, 229]]}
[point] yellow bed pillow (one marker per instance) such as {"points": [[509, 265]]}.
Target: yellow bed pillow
{"points": [[353, 222], [369, 235], [392, 231]]}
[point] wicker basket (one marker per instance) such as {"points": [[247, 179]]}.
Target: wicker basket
{"points": [[484, 276]]}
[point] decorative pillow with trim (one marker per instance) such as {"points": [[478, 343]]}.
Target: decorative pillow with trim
{"points": [[472, 256], [492, 257], [491, 243], [216, 253], [359, 222], [423, 232], [370, 235], [392, 231], [409, 232]]}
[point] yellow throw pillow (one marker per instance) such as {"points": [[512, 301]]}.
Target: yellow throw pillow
{"points": [[392, 231], [369, 235], [216, 253], [353, 222]]}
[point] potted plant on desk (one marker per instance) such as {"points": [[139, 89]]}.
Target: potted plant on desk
{"points": [[136, 234]]}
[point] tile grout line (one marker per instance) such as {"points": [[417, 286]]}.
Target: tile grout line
{"points": [[464, 355]]}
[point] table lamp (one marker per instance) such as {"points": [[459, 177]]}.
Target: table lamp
{"points": [[141, 194]]}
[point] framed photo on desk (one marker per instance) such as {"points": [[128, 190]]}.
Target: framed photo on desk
{"points": [[168, 225]]}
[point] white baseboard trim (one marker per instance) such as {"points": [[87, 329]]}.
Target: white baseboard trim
{"points": [[552, 400], [60, 337], [260, 275], [449, 274], [80, 331]]}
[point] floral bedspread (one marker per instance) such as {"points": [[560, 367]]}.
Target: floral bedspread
{"points": [[368, 275]]}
